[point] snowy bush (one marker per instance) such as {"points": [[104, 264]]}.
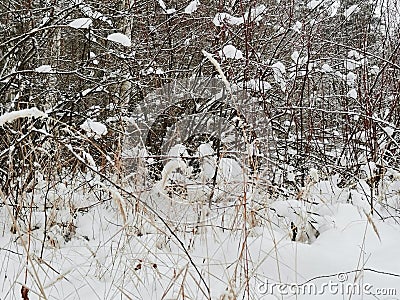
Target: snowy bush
{"points": [[194, 149]]}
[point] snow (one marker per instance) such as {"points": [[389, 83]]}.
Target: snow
{"points": [[313, 4], [351, 78], [297, 26], [374, 70], [91, 90], [24, 113], [350, 64], [354, 54], [44, 69], [147, 71], [279, 70], [279, 67], [81, 23], [162, 4], [295, 56], [120, 38], [168, 11], [300, 61], [355, 60], [93, 128], [159, 71], [352, 94], [230, 171], [192, 7], [255, 14], [209, 227], [230, 51], [88, 12], [314, 174], [333, 9], [116, 249], [388, 130], [326, 68], [221, 18], [44, 20], [352, 9], [259, 85]]}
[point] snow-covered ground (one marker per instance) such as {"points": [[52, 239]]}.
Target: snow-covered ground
{"points": [[105, 244]]}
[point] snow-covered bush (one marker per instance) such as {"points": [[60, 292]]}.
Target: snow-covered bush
{"points": [[194, 149]]}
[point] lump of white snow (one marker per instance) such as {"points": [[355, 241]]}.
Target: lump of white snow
{"points": [[94, 129], [44, 69], [230, 51], [120, 39], [24, 113], [81, 23]]}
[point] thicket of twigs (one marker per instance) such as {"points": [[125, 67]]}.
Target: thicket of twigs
{"points": [[334, 105], [319, 82]]}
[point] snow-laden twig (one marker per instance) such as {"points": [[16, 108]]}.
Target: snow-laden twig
{"points": [[24, 113]]}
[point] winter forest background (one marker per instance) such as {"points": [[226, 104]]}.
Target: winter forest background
{"points": [[238, 149]]}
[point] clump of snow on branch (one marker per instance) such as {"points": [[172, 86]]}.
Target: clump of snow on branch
{"points": [[313, 4], [44, 69], [297, 26], [352, 94], [94, 129], [326, 68], [352, 9], [279, 70], [24, 113], [333, 9], [221, 18], [166, 10], [192, 7], [230, 51], [120, 38], [253, 15], [81, 23]]}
